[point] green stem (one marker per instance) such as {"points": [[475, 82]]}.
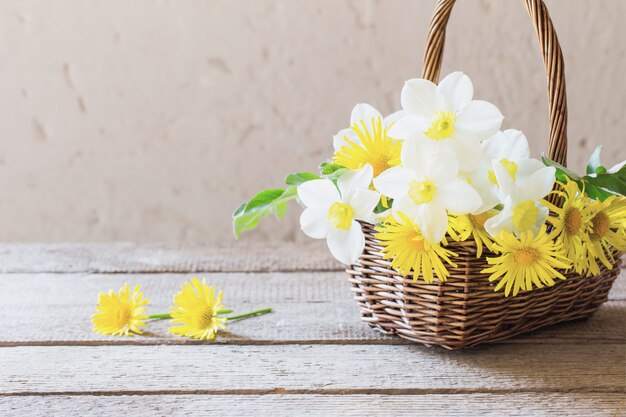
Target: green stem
{"points": [[166, 316], [250, 314], [159, 316]]}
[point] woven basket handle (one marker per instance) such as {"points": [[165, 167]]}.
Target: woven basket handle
{"points": [[552, 59]]}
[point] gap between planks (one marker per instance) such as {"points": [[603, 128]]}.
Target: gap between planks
{"points": [[322, 392]]}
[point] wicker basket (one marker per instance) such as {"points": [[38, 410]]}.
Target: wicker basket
{"points": [[465, 311]]}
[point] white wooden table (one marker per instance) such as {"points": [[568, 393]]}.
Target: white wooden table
{"points": [[312, 356]]}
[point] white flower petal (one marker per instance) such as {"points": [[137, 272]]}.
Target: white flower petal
{"points": [[339, 140], [458, 196], [501, 221], [365, 112], [479, 118], [479, 179], [527, 167], [468, 150], [352, 180], [394, 182], [504, 179], [318, 193], [416, 153], [346, 245], [419, 97], [442, 166], [363, 202], [408, 125], [314, 222], [517, 145], [539, 184], [406, 206], [457, 90], [432, 220], [393, 117]]}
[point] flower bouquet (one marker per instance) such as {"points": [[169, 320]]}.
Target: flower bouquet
{"points": [[453, 235]]}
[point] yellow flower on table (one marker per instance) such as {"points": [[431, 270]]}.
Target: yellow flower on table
{"points": [[462, 226], [403, 242], [121, 313], [608, 231], [196, 307], [527, 261], [572, 225]]}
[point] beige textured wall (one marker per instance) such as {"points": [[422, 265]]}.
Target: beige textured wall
{"points": [[151, 120]]}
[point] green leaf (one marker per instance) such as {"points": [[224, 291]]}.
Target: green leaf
{"points": [[561, 171], [594, 165], [595, 192], [279, 210], [300, 178], [615, 183], [239, 209], [328, 168], [248, 215], [263, 198]]}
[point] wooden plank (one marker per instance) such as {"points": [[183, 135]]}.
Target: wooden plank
{"points": [[239, 256], [129, 257], [310, 308], [287, 405], [298, 369]]}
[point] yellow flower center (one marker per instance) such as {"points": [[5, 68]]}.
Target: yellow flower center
{"points": [[123, 316], [380, 163], [417, 243], [600, 226], [526, 256], [374, 147], [443, 125], [572, 221], [340, 215], [203, 319], [525, 215], [421, 192], [478, 220], [511, 168]]}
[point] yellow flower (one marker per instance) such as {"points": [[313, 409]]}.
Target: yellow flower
{"points": [[196, 308], [524, 262], [373, 147], [572, 225], [608, 231], [460, 227], [403, 242], [120, 314]]}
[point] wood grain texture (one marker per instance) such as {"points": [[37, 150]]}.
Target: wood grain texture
{"points": [[129, 257], [310, 307], [378, 369], [288, 405]]}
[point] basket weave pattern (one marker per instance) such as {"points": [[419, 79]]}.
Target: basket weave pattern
{"points": [[465, 311]]}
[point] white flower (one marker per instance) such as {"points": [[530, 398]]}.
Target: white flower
{"points": [[332, 211], [522, 210], [426, 186], [447, 115], [509, 148]]}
